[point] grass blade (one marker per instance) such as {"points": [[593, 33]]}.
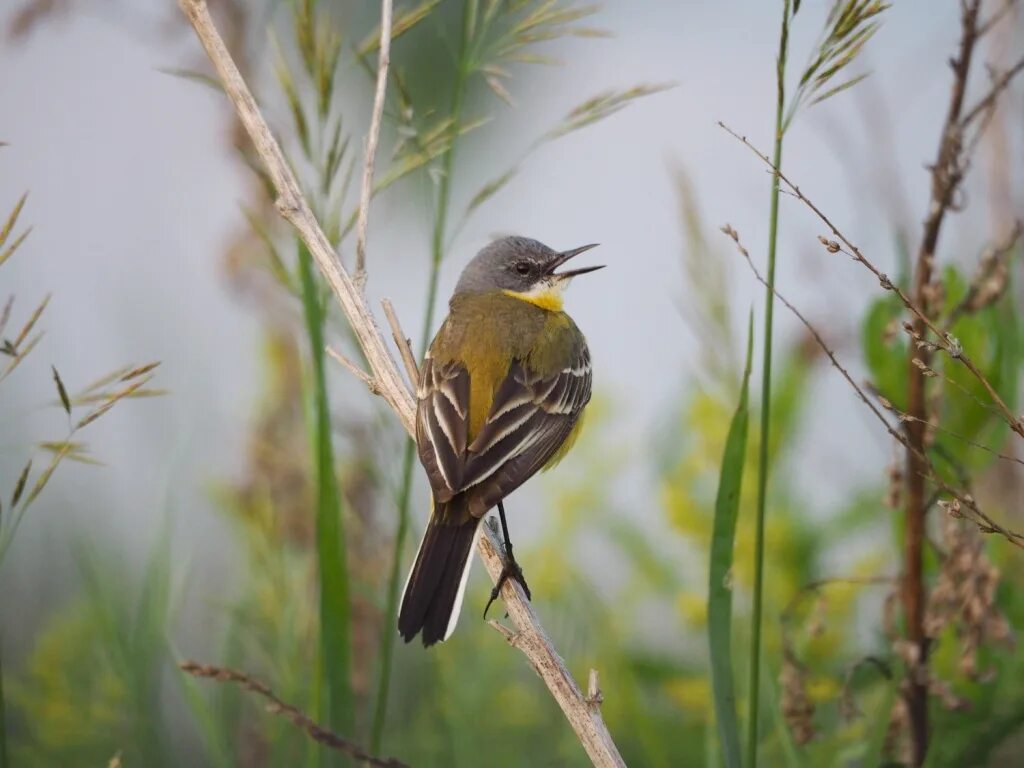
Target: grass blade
{"points": [[727, 504], [335, 620], [754, 704]]}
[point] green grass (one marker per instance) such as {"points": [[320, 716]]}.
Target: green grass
{"points": [[727, 504], [335, 614], [753, 707]]}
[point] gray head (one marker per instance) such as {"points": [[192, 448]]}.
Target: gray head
{"points": [[521, 265]]}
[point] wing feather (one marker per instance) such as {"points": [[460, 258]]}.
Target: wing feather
{"points": [[529, 419], [441, 428]]}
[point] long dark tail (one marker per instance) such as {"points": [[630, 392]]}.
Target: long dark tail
{"points": [[436, 584]]}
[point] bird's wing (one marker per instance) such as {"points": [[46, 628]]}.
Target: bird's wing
{"points": [[442, 416], [529, 419]]}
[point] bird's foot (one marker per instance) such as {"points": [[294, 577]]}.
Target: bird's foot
{"points": [[511, 570]]}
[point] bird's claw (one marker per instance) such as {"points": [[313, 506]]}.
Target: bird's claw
{"points": [[511, 570]]}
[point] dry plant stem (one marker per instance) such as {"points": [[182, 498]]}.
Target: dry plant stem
{"points": [[403, 344], [999, 253], [583, 712], [296, 211], [372, 138], [942, 339], [988, 24], [587, 723], [982, 520], [298, 717], [988, 101], [946, 175], [355, 370]]}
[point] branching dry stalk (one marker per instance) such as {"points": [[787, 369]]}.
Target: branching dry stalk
{"points": [[298, 717], [942, 340], [372, 138], [386, 379], [403, 343], [583, 711], [947, 172], [985, 523]]}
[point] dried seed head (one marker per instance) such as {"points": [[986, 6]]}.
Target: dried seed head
{"points": [[890, 331], [796, 705], [897, 745], [830, 245], [964, 596], [933, 294], [925, 370], [954, 348]]}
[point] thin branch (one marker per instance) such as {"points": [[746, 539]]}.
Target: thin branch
{"points": [[586, 722], [986, 26], [372, 138], [355, 370], [991, 261], [943, 340], [403, 344], [296, 211], [989, 99], [985, 523], [906, 417], [297, 716], [530, 638]]}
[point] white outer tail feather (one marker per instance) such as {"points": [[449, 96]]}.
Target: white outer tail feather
{"points": [[405, 587], [453, 620], [457, 606]]}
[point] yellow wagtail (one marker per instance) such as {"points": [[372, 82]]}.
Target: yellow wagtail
{"points": [[501, 391]]}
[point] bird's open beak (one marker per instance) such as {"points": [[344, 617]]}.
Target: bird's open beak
{"points": [[564, 256]]}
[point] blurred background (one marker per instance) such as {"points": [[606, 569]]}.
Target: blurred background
{"points": [[197, 535]]}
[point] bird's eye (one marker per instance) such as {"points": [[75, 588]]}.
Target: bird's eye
{"points": [[523, 267]]}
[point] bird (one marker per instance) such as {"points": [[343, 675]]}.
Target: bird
{"points": [[501, 391]]}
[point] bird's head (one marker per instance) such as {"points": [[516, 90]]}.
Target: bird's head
{"points": [[524, 268]]}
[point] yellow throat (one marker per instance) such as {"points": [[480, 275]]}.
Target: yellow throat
{"points": [[547, 294]]}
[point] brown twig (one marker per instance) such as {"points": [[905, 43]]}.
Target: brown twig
{"points": [[981, 519], [372, 138], [297, 716], [403, 344], [355, 370], [588, 725], [296, 211], [947, 172], [532, 640], [988, 101], [943, 340], [986, 26], [907, 418], [990, 263]]}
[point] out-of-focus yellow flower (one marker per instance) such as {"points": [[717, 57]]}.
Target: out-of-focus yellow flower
{"points": [[692, 694], [823, 688], [693, 608]]}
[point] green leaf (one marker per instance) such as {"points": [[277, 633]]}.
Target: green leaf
{"points": [[335, 614], [723, 536], [885, 349]]}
